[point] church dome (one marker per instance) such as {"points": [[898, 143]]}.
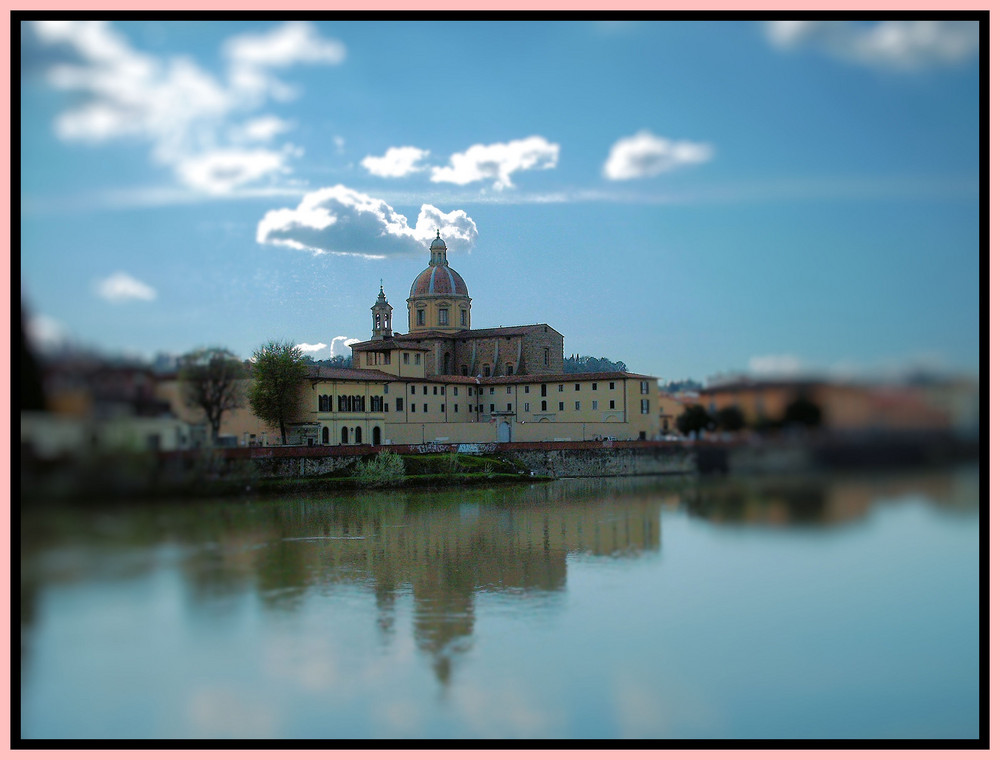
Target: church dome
{"points": [[438, 280]]}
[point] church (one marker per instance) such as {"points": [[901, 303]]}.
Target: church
{"points": [[445, 381]]}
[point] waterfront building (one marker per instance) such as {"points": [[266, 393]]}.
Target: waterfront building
{"points": [[445, 381]]}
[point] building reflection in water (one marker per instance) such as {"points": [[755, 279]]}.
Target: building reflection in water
{"points": [[443, 548]]}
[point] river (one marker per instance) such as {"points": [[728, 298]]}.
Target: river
{"points": [[833, 607]]}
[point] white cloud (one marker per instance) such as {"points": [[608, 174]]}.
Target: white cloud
{"points": [[397, 162], [903, 45], [646, 155], [779, 365], [343, 221], [294, 42], [221, 171], [124, 287], [338, 144], [311, 348], [45, 333], [497, 162], [262, 129], [182, 111], [345, 341]]}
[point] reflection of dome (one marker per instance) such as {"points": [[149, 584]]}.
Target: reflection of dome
{"points": [[439, 280]]}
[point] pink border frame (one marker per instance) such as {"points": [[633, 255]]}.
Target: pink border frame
{"points": [[458, 6]]}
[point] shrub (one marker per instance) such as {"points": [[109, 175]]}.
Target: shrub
{"points": [[386, 468]]}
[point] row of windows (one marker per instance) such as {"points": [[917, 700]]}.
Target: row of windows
{"points": [[443, 317], [406, 358], [352, 403]]}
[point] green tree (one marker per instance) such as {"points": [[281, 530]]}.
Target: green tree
{"points": [[731, 418], [211, 380], [694, 419], [278, 372], [805, 412]]}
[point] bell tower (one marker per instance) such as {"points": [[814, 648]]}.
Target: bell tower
{"points": [[381, 317]]}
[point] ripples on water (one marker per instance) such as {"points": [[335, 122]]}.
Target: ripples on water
{"points": [[838, 607]]}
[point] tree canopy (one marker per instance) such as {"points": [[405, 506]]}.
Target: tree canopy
{"points": [[694, 419], [210, 380], [579, 363], [278, 372]]}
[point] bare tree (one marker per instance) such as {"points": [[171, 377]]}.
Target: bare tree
{"points": [[211, 381]]}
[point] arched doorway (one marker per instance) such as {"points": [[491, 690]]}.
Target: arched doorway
{"points": [[326, 435], [357, 434], [376, 436], [344, 435], [503, 432]]}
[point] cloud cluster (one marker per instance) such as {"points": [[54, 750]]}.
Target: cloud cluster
{"points": [[478, 163], [646, 155], [121, 287], [902, 45], [343, 221], [343, 340], [397, 162], [185, 114]]}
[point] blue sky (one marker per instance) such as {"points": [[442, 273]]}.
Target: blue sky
{"points": [[687, 197]]}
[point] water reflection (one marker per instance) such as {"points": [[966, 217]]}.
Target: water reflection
{"points": [[424, 560]]}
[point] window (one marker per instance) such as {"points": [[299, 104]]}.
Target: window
{"points": [[561, 406], [435, 390], [413, 389], [357, 434], [644, 406], [344, 435], [593, 405], [413, 408], [416, 358], [577, 387], [612, 404], [420, 316], [526, 406], [486, 370], [492, 390], [465, 369], [527, 389], [454, 391], [509, 409], [576, 405], [425, 408], [546, 357], [492, 408], [463, 318], [399, 404], [480, 391], [510, 367], [593, 386], [470, 390], [443, 317], [560, 388], [480, 407], [385, 389], [406, 358], [545, 406], [326, 435], [368, 357], [456, 408], [644, 386], [425, 390], [545, 389], [611, 385], [470, 407], [442, 408], [508, 390]]}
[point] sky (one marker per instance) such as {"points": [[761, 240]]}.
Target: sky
{"points": [[691, 198]]}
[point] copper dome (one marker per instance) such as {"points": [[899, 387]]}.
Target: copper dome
{"points": [[439, 280]]}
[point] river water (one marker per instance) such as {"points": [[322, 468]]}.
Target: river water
{"points": [[835, 607]]}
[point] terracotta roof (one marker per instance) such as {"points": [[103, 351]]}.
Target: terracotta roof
{"points": [[388, 344], [343, 373], [486, 332], [560, 377]]}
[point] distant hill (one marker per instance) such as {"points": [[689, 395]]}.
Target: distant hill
{"points": [[336, 361], [678, 386]]}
